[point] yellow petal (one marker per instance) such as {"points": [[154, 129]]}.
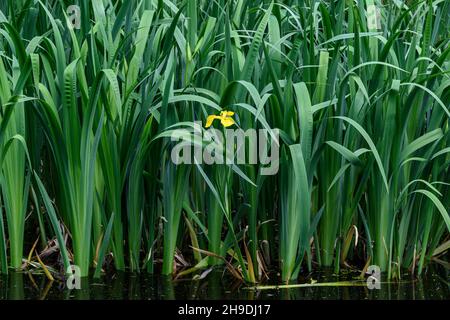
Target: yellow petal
{"points": [[226, 122], [226, 113], [210, 120]]}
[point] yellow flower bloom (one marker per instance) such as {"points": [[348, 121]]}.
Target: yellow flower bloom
{"points": [[225, 119]]}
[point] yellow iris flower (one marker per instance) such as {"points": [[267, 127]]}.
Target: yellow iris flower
{"points": [[225, 119]]}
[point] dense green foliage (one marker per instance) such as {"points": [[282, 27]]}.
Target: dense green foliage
{"points": [[359, 90]]}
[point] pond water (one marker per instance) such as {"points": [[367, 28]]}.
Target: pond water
{"points": [[433, 285]]}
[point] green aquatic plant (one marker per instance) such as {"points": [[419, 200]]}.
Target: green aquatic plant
{"points": [[357, 90]]}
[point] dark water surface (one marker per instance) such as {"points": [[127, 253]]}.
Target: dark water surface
{"points": [[433, 285]]}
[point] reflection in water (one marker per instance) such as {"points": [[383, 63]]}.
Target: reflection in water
{"points": [[434, 285], [16, 287]]}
